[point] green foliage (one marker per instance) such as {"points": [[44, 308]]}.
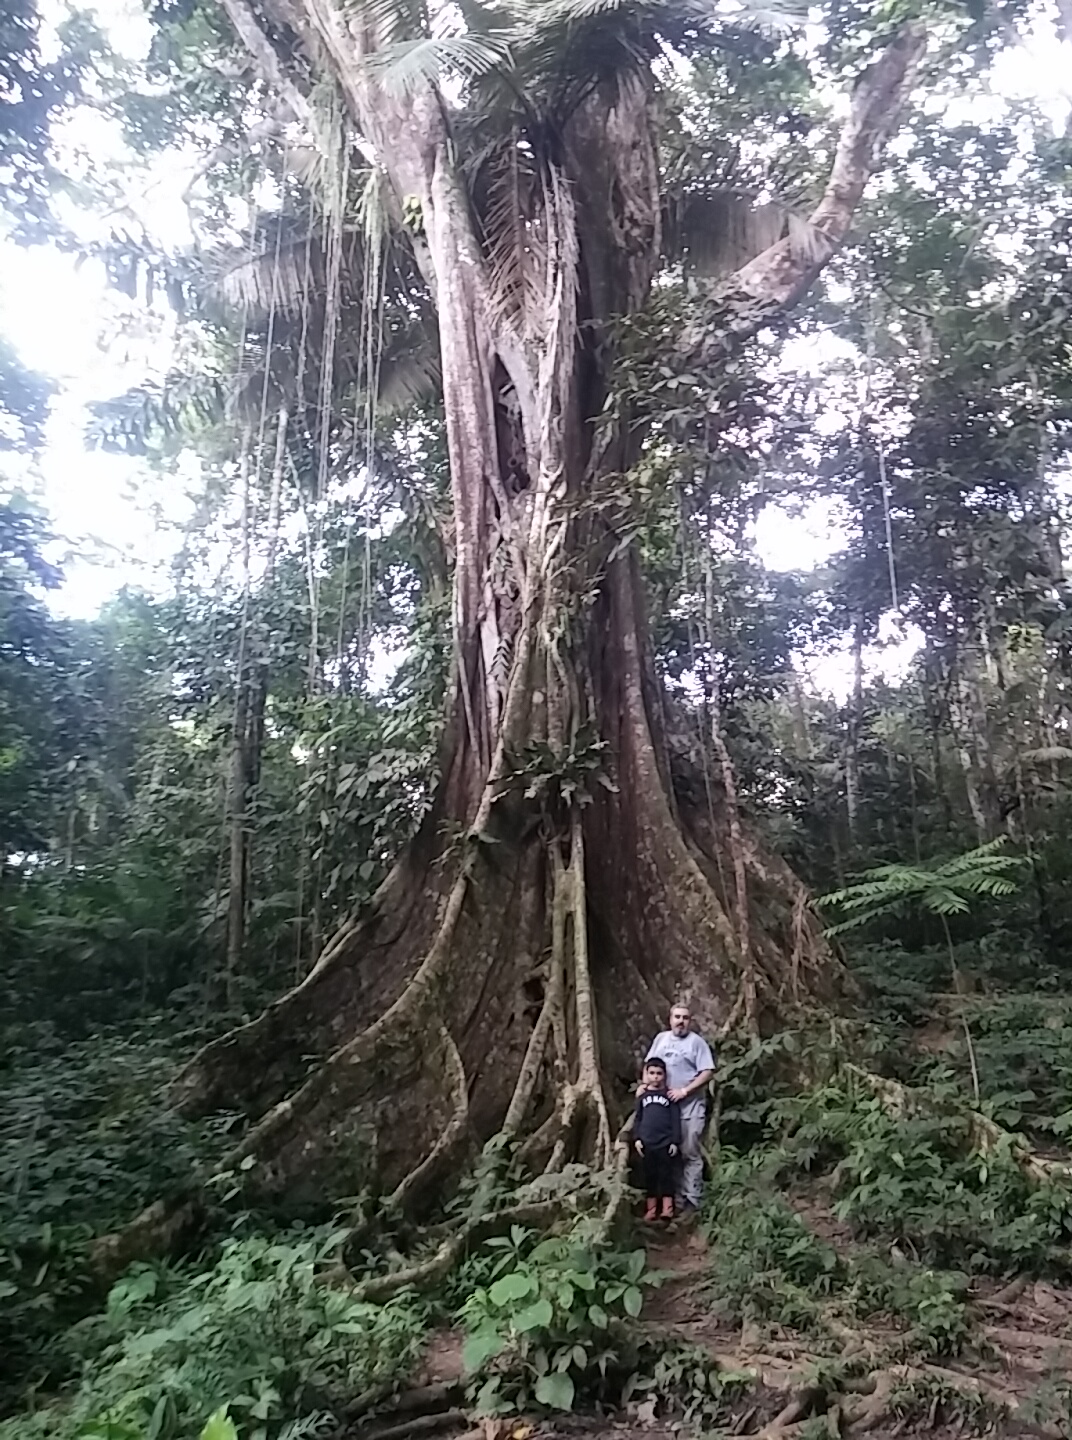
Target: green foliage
{"points": [[684, 1380], [919, 1178], [769, 1266], [85, 1143], [256, 1333], [550, 1325], [943, 888]]}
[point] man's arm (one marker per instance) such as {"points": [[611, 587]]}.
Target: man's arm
{"points": [[698, 1082], [653, 1054]]}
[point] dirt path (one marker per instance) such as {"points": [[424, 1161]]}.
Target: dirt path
{"points": [[1025, 1351], [1027, 1348]]}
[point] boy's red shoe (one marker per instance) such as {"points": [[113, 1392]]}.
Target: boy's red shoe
{"points": [[651, 1210], [668, 1207]]}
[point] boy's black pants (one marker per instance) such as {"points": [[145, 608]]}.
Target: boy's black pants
{"points": [[660, 1172]]}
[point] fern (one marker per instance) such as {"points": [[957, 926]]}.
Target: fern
{"points": [[945, 888]]}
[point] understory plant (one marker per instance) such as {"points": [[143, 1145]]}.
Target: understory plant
{"points": [[551, 1323], [919, 1177], [769, 1266], [257, 1333], [85, 1142]]}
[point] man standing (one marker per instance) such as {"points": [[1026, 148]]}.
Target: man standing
{"points": [[689, 1068]]}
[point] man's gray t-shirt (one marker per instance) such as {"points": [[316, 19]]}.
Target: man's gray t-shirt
{"points": [[685, 1057]]}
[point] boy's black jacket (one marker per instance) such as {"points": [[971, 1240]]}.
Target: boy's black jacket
{"points": [[658, 1119]]}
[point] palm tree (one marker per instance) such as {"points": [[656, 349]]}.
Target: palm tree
{"points": [[943, 888]]}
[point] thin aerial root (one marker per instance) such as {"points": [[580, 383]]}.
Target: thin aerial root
{"points": [[410, 1005], [567, 1123], [986, 1134], [618, 1196], [550, 1022], [587, 1048], [559, 906]]}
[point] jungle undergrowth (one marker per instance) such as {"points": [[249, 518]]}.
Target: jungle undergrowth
{"points": [[85, 1142], [248, 1334]]}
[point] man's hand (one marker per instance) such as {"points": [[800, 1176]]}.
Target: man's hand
{"points": [[638, 1146], [682, 1094], [672, 1151]]}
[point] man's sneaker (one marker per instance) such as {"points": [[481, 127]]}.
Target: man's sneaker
{"points": [[668, 1208], [651, 1210]]}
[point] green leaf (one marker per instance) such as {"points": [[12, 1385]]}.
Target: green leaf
{"points": [[598, 1316], [633, 1301], [514, 1286], [555, 1390], [219, 1426], [483, 1345], [537, 1317]]}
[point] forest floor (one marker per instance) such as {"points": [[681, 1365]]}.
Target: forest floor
{"points": [[877, 1256], [794, 1393]]}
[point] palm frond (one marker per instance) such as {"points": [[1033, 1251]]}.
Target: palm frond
{"points": [[1046, 755], [510, 202], [408, 370], [773, 19], [150, 416], [390, 21], [406, 64]]}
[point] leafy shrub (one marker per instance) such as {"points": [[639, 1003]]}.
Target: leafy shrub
{"points": [[256, 1333], [767, 1264], [83, 1135], [550, 1324], [933, 1302], [686, 1381], [1023, 1046], [917, 1177]]}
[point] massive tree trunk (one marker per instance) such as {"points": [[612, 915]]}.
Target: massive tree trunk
{"points": [[570, 880]]}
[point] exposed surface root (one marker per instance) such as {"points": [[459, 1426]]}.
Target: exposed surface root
{"points": [[986, 1135], [158, 1230], [427, 1272]]}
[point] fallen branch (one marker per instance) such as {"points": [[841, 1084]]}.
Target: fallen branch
{"points": [[158, 1230]]}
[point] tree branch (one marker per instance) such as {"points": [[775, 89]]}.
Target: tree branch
{"points": [[232, 150], [780, 277], [264, 55]]}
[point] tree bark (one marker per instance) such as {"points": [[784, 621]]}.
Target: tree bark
{"points": [[567, 861]]}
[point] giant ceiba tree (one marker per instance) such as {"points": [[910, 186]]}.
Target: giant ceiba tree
{"points": [[566, 885]]}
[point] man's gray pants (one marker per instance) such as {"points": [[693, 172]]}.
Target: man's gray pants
{"points": [[691, 1191]]}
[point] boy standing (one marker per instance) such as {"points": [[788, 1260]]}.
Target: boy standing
{"points": [[689, 1067], [657, 1139]]}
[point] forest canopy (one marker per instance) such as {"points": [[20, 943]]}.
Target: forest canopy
{"points": [[621, 450]]}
